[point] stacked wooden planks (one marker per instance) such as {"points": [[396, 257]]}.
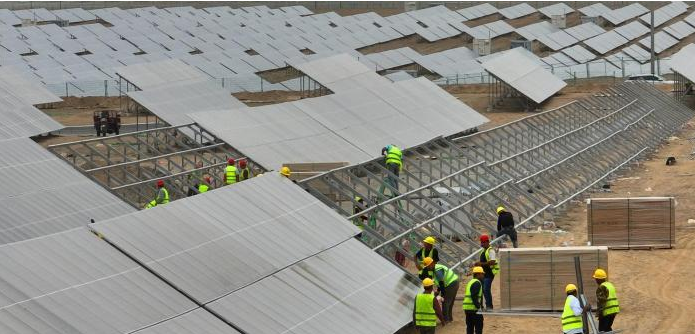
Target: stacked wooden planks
{"points": [[534, 279], [638, 222]]}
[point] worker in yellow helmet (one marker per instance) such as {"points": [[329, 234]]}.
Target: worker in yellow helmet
{"points": [[473, 301], [427, 309], [427, 250], [285, 171], [447, 284], [572, 313], [607, 300], [505, 225]]}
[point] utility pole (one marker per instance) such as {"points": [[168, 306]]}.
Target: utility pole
{"points": [[652, 42]]}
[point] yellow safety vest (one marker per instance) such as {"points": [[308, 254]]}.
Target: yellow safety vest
{"points": [[569, 320], [424, 310], [394, 156], [230, 175], [496, 267], [449, 275], [468, 299], [154, 203], [203, 188], [612, 306], [244, 174]]}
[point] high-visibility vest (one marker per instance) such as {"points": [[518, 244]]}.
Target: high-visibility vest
{"points": [[165, 198], [496, 267], [569, 320], [394, 156], [612, 306], [424, 310], [468, 304], [422, 256], [449, 275], [203, 188], [230, 175], [244, 174]]}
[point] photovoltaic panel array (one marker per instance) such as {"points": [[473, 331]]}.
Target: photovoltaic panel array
{"points": [[524, 75], [662, 41], [579, 54], [623, 14], [606, 42], [556, 9], [340, 72], [22, 86], [680, 30], [18, 118], [682, 62], [173, 102], [477, 11], [44, 195], [73, 282], [517, 11], [194, 322], [533, 31], [665, 13], [158, 74], [632, 30]]}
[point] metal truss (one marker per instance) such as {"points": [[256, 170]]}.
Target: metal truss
{"points": [[533, 166], [129, 164]]}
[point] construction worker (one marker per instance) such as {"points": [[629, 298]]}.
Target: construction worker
{"points": [[230, 173], [427, 250], [244, 172], [607, 300], [427, 309], [162, 196], [285, 171], [394, 163], [572, 314], [195, 178], [204, 186], [359, 206], [505, 225], [488, 261], [473, 301], [447, 284]]}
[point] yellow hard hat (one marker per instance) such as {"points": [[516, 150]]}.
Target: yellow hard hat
{"points": [[570, 288], [478, 270], [429, 240], [427, 282], [427, 261], [285, 171], [600, 274], [500, 209]]}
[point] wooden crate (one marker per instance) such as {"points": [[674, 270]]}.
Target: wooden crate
{"points": [[638, 222], [534, 279]]}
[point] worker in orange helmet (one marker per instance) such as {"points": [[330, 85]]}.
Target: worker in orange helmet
{"points": [[244, 173]]}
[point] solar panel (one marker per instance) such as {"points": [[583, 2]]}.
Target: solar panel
{"points": [[194, 322], [579, 54], [160, 73], [665, 13], [557, 40], [662, 41], [524, 75], [585, 31], [595, 10], [517, 11], [532, 32], [637, 53], [620, 15], [606, 42], [477, 11], [680, 30], [322, 295], [340, 72], [632, 30], [682, 62], [19, 119], [556, 9]]}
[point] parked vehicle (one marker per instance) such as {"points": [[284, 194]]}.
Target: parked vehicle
{"points": [[107, 121], [651, 78]]}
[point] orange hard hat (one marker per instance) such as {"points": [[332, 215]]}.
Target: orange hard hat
{"points": [[230, 161], [160, 183], [242, 163]]}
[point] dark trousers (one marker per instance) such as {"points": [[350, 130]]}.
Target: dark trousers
{"points": [[511, 232], [605, 323], [487, 291], [449, 297], [396, 170], [474, 323], [425, 330]]}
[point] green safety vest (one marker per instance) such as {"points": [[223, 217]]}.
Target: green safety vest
{"points": [[244, 174], [394, 156], [612, 306], [449, 275], [569, 320], [495, 268], [156, 202], [230, 175], [468, 299], [424, 310], [422, 257], [203, 188]]}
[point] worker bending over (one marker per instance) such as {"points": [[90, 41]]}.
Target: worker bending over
{"points": [[204, 186], [607, 300], [230, 173], [473, 301], [488, 261], [572, 313], [447, 284], [162, 196], [427, 309], [394, 163], [427, 250], [505, 225]]}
